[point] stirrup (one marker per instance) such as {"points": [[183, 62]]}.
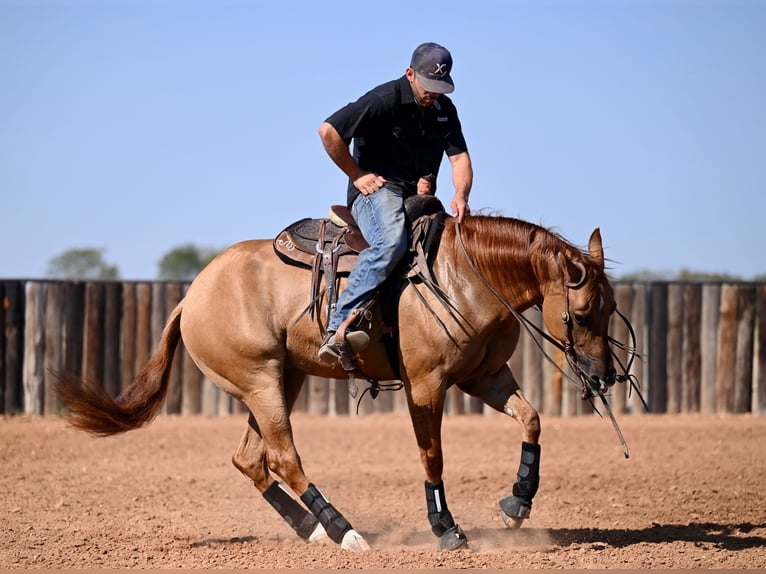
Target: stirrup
{"points": [[331, 349]]}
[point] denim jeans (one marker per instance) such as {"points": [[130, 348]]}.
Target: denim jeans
{"points": [[380, 217]]}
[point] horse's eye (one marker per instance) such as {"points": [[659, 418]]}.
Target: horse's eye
{"points": [[580, 319]]}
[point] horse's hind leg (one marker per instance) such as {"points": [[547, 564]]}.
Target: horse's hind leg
{"points": [[250, 459], [502, 393], [267, 447]]}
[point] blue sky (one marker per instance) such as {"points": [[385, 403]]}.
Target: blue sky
{"points": [[137, 126]]}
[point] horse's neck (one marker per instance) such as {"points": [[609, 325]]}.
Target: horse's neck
{"points": [[505, 265]]}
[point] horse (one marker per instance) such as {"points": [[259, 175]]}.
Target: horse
{"points": [[243, 321]]}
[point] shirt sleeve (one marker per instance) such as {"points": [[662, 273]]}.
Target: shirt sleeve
{"points": [[356, 118]]}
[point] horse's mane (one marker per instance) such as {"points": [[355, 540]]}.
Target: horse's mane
{"points": [[497, 243]]}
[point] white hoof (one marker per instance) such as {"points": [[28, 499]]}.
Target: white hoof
{"points": [[511, 521], [353, 541], [319, 536]]}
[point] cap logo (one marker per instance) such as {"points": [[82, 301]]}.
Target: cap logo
{"points": [[441, 69]]}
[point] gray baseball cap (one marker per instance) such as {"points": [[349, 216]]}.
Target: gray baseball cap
{"points": [[432, 65]]}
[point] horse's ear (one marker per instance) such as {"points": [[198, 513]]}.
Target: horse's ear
{"points": [[595, 248], [574, 272]]}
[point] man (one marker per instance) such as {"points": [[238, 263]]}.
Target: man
{"points": [[401, 131]]}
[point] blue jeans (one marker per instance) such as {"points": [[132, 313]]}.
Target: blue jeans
{"points": [[380, 217]]}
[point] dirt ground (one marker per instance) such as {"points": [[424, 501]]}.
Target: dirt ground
{"points": [[691, 496]]}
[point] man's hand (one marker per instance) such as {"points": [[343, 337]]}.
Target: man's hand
{"points": [[459, 208], [368, 183], [424, 186]]}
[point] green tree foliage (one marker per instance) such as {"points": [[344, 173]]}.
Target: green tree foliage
{"points": [[82, 264], [184, 262]]}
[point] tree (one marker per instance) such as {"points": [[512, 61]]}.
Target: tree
{"points": [[185, 262], [82, 264]]}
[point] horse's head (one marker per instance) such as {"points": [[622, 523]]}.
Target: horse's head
{"points": [[576, 312]]}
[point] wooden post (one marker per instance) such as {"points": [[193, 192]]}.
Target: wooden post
{"points": [[112, 316], [727, 350], [2, 350], [53, 359], [759, 399], [691, 375], [143, 325], [343, 404], [175, 386], [618, 330], [74, 321], [530, 377], [191, 395], [743, 371], [93, 355], [516, 364], [34, 348], [12, 374], [209, 397], [455, 403], [128, 335], [639, 368], [318, 395], [711, 306], [674, 364], [658, 348], [553, 384]]}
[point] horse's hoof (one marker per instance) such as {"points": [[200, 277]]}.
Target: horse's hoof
{"points": [[453, 539], [319, 535], [353, 541], [512, 522], [514, 510]]}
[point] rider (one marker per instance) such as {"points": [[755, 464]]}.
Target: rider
{"points": [[401, 130]]}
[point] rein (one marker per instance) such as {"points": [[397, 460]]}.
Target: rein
{"points": [[589, 388]]}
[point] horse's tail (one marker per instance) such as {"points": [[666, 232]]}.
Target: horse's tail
{"points": [[93, 410]]}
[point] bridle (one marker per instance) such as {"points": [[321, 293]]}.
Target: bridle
{"points": [[590, 387]]}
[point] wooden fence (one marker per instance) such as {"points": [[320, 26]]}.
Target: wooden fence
{"points": [[704, 348]]}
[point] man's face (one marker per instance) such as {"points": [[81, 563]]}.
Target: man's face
{"points": [[423, 97]]}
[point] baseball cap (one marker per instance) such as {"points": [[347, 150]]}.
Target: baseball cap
{"points": [[432, 65]]}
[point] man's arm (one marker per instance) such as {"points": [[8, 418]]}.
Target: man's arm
{"points": [[338, 151], [462, 178]]}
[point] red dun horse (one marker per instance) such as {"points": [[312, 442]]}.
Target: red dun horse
{"points": [[243, 322]]}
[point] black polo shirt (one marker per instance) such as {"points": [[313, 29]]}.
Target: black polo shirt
{"points": [[393, 139]]}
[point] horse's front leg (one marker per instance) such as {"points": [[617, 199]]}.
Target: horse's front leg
{"points": [[426, 404], [501, 392]]}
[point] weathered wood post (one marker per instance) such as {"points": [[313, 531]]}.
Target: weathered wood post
{"points": [[658, 326], [743, 370], [12, 373], [128, 334], [640, 367], [692, 363], [53, 358], [530, 376], [674, 364], [759, 400], [112, 327], [33, 358], [173, 401], [711, 306], [727, 349]]}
